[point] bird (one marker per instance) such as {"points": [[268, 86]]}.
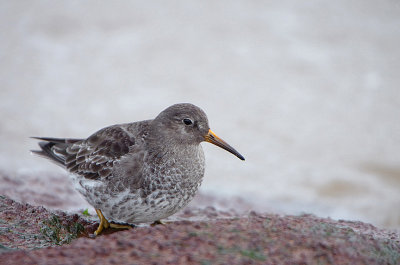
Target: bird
{"points": [[139, 172]]}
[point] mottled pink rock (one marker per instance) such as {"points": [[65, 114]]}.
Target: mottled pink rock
{"points": [[219, 238]]}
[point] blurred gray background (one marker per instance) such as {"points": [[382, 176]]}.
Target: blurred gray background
{"points": [[307, 91]]}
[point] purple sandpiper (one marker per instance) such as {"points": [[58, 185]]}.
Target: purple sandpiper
{"points": [[138, 172]]}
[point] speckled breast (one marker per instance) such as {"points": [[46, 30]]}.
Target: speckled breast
{"points": [[166, 188]]}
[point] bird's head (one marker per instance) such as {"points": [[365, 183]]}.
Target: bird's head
{"points": [[188, 124]]}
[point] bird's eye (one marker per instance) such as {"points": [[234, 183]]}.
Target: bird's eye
{"points": [[187, 121]]}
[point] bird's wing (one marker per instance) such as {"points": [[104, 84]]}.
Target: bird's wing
{"points": [[94, 157]]}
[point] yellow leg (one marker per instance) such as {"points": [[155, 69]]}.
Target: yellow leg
{"points": [[105, 224], [119, 226]]}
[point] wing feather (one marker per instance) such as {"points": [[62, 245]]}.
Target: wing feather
{"points": [[92, 158], [95, 157]]}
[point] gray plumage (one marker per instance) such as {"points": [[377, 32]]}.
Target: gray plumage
{"points": [[142, 171]]}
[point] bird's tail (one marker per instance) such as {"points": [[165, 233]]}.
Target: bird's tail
{"points": [[54, 148]]}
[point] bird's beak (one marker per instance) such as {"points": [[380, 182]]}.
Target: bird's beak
{"points": [[214, 139]]}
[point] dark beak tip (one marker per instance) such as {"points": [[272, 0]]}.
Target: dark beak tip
{"points": [[214, 139]]}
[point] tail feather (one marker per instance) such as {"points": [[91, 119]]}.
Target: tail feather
{"points": [[54, 148], [57, 140]]}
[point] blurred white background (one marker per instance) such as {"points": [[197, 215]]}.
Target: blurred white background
{"points": [[307, 91]]}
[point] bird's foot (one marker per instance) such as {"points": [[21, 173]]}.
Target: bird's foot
{"points": [[121, 226], [158, 222], [104, 224]]}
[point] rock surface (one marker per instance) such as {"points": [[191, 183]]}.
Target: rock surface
{"points": [[35, 235]]}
